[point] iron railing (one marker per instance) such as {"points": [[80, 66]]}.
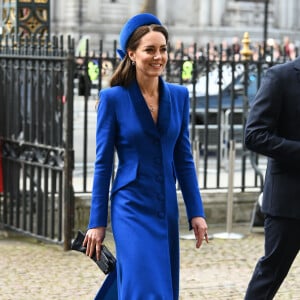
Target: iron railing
{"points": [[43, 85], [36, 98], [221, 90]]}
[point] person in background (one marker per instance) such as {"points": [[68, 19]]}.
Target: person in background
{"points": [[272, 129], [147, 121]]}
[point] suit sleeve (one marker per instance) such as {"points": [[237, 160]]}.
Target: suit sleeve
{"points": [[269, 125], [105, 136], [185, 168]]}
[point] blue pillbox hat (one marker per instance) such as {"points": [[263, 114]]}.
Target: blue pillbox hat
{"points": [[130, 26]]}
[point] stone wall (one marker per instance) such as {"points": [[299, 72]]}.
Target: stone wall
{"points": [[215, 204]]}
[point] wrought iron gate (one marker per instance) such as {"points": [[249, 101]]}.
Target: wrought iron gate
{"points": [[36, 135]]}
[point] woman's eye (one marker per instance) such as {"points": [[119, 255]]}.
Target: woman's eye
{"points": [[151, 51]]}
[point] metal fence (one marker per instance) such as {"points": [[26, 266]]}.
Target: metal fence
{"points": [[221, 88], [36, 136], [42, 80]]}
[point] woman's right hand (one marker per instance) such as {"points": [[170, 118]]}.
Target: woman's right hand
{"points": [[93, 241]]}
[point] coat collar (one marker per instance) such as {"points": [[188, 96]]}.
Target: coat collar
{"points": [[297, 67], [297, 63], [143, 112]]}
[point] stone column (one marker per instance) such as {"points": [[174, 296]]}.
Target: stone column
{"points": [[296, 21], [205, 13], [217, 10], [162, 11], [289, 13], [134, 8], [149, 6], [286, 12], [67, 16]]}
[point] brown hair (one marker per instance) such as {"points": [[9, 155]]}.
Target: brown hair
{"points": [[125, 72]]}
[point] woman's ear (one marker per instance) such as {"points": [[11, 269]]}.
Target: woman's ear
{"points": [[131, 55]]}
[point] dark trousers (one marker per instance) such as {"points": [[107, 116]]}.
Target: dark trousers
{"points": [[282, 244]]}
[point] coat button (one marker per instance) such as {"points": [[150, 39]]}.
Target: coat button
{"points": [[156, 141], [161, 214], [159, 178], [160, 197], [157, 160]]}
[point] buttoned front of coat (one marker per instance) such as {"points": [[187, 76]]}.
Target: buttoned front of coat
{"points": [[144, 208]]}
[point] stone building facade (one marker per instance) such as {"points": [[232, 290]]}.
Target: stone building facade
{"points": [[190, 21]]}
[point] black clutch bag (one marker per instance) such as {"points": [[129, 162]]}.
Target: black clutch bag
{"points": [[107, 261]]}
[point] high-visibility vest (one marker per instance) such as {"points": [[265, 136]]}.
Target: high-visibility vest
{"points": [[93, 70], [187, 70]]}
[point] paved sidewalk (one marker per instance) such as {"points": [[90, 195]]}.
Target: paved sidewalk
{"points": [[219, 270]]}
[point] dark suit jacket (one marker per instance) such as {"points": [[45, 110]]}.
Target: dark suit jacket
{"points": [[273, 129]]}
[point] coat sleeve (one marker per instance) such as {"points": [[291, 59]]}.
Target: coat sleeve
{"points": [[185, 167], [269, 128], [105, 137]]}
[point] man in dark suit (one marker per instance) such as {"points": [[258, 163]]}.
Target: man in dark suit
{"points": [[273, 129]]}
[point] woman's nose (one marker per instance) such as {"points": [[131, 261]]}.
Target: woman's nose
{"points": [[157, 55]]}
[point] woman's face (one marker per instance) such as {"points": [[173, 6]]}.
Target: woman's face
{"points": [[151, 55]]}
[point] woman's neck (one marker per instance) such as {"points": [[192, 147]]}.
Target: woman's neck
{"points": [[150, 92], [149, 87]]}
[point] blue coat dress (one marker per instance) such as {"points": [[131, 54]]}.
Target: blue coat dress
{"points": [[144, 208]]}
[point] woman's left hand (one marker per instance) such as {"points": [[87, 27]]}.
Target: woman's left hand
{"points": [[200, 230]]}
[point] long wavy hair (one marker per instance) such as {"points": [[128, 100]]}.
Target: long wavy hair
{"points": [[125, 72]]}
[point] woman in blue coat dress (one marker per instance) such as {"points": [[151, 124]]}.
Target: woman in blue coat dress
{"points": [[146, 120]]}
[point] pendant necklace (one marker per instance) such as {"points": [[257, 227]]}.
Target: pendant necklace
{"points": [[152, 108]]}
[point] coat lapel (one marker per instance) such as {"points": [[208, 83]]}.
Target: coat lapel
{"points": [[297, 68], [164, 108], [143, 112]]}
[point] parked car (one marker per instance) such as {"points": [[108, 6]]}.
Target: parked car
{"points": [[217, 94]]}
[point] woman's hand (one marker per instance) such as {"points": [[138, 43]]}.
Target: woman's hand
{"points": [[93, 240], [200, 230]]}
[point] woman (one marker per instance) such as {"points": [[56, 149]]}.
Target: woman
{"points": [[146, 120]]}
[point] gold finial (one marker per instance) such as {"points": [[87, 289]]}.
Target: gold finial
{"points": [[246, 52]]}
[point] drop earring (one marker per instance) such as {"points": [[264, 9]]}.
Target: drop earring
{"points": [[133, 63]]}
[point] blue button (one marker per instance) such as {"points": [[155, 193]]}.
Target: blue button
{"points": [[161, 214], [157, 160], [159, 178], [160, 197], [155, 141]]}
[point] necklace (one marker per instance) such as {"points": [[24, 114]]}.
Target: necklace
{"points": [[152, 108]]}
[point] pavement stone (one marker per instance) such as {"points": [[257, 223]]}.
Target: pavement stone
{"points": [[32, 270]]}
